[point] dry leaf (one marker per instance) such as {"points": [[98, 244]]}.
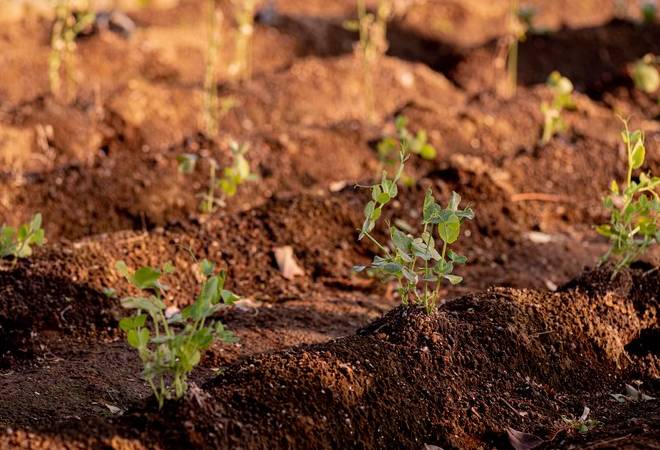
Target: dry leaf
{"points": [[523, 441], [287, 263], [113, 409], [246, 304]]}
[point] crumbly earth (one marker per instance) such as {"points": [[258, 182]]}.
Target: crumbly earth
{"points": [[329, 359]]}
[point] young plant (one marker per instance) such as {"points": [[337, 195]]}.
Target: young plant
{"points": [[634, 208], [170, 342], [18, 243], [561, 88], [645, 74], [244, 11], [413, 143], [649, 10], [372, 45], [520, 22], [210, 75], [414, 261], [66, 28], [232, 177], [581, 424]]}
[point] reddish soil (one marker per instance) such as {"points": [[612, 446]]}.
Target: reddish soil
{"points": [[328, 360]]}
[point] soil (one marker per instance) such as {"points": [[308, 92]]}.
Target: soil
{"points": [[328, 359]]}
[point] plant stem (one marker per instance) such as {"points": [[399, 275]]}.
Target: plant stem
{"points": [[386, 251], [210, 82]]}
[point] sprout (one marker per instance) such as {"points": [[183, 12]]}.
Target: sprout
{"points": [[634, 208], [561, 88], [414, 261], [170, 342]]}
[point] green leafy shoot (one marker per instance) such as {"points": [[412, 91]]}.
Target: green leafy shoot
{"points": [[372, 45], [244, 10], [561, 88], [649, 11], [66, 28], [634, 208], [645, 74], [520, 19], [211, 114], [414, 261], [228, 184], [170, 342], [413, 143], [525, 15], [239, 172], [581, 424], [18, 243]]}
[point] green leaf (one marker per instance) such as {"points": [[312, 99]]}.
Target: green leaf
{"points": [[453, 279], [456, 258], [351, 25], [376, 192], [210, 290], [454, 201], [369, 208], [202, 338], [467, 214], [429, 207], [450, 229], [443, 267], [35, 224], [186, 162], [614, 187], [428, 152], [228, 297], [409, 275], [400, 240], [132, 322], [151, 305], [122, 268], [386, 147], [146, 278], [206, 267], [168, 267], [138, 338], [383, 198], [637, 155]]}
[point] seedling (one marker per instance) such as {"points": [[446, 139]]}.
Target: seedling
{"points": [[413, 143], [649, 10], [170, 342], [244, 11], [66, 28], [520, 22], [211, 72], [525, 15], [232, 177], [645, 74], [561, 88], [372, 45], [18, 243], [414, 261], [581, 424], [634, 208]]}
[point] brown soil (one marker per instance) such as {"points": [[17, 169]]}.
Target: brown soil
{"points": [[328, 359]]}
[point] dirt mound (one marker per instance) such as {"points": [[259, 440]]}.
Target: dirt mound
{"points": [[458, 378], [37, 306]]}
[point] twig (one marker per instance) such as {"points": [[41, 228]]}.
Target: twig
{"points": [[541, 197]]}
